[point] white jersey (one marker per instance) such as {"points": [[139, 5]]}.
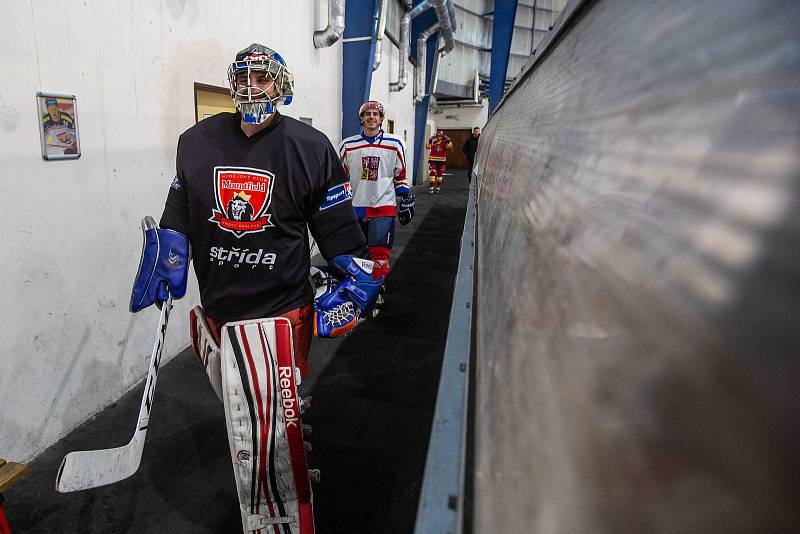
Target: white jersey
{"points": [[377, 170]]}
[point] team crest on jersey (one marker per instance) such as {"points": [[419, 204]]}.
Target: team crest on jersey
{"points": [[243, 196], [369, 164]]}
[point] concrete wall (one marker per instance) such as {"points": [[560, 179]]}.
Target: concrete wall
{"points": [[638, 284], [461, 117], [69, 233]]}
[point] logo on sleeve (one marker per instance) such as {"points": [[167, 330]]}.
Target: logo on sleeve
{"points": [[242, 196], [369, 166], [336, 195]]}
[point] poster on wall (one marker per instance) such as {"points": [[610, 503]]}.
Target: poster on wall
{"points": [[58, 126]]}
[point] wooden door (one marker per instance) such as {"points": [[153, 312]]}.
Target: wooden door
{"points": [[456, 158], [210, 100]]}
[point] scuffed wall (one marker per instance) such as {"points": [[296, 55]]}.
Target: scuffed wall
{"points": [[639, 277]]}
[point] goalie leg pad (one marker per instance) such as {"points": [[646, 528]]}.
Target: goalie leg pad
{"points": [[302, 320], [265, 435], [206, 347]]}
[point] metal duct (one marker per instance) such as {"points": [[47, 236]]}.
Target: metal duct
{"points": [[451, 8], [332, 33], [419, 90], [405, 45], [445, 14], [379, 38]]}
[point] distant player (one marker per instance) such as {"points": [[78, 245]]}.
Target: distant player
{"points": [[438, 145], [249, 185], [376, 164]]}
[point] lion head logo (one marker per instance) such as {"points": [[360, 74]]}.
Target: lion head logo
{"points": [[239, 207], [242, 197]]}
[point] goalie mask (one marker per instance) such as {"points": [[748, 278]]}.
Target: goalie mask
{"points": [[259, 81]]}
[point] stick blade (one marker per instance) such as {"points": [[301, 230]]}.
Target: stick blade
{"points": [[82, 470]]}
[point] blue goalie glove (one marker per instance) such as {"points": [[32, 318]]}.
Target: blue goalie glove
{"points": [[163, 268], [405, 209], [338, 309]]}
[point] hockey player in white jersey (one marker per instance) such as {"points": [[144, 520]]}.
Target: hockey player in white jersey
{"points": [[375, 161]]}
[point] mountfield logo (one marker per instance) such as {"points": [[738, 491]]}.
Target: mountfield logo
{"points": [[243, 196]]}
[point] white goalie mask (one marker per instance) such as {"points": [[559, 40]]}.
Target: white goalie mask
{"points": [[259, 81]]}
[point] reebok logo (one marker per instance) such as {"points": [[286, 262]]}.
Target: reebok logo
{"points": [[288, 399]]}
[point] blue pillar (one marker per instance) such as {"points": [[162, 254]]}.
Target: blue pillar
{"points": [[421, 111], [505, 11], [419, 24], [361, 24]]}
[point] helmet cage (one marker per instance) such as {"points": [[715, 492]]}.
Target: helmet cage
{"points": [[254, 103]]}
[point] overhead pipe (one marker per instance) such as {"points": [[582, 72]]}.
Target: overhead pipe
{"points": [[332, 33], [405, 45], [445, 14], [379, 38], [419, 90]]}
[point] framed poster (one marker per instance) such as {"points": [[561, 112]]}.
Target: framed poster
{"points": [[58, 126]]}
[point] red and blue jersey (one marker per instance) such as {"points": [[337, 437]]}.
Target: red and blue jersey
{"points": [[438, 145], [377, 170]]}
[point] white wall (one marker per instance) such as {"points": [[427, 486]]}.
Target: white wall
{"points": [[461, 117], [69, 230]]}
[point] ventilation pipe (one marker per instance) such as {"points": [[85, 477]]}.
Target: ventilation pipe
{"points": [[379, 38], [405, 45], [332, 33], [445, 27], [445, 14], [419, 90]]}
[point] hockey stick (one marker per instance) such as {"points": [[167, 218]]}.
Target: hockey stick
{"points": [[82, 470]]}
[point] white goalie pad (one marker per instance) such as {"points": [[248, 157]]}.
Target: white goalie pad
{"points": [[206, 348], [265, 434]]}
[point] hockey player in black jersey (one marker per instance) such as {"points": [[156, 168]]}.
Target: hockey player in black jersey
{"points": [[249, 186]]}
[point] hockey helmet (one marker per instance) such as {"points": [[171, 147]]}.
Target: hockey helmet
{"points": [[254, 103], [371, 104]]}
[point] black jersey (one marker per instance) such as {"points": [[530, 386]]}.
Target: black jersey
{"points": [[245, 204], [64, 119]]}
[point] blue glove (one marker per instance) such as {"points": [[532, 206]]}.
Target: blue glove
{"points": [[405, 211], [339, 308], [163, 268]]}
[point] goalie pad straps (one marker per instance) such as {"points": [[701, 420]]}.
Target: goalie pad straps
{"points": [[262, 415], [206, 347]]}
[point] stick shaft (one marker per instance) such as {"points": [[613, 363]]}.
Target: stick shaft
{"points": [[90, 469]]}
